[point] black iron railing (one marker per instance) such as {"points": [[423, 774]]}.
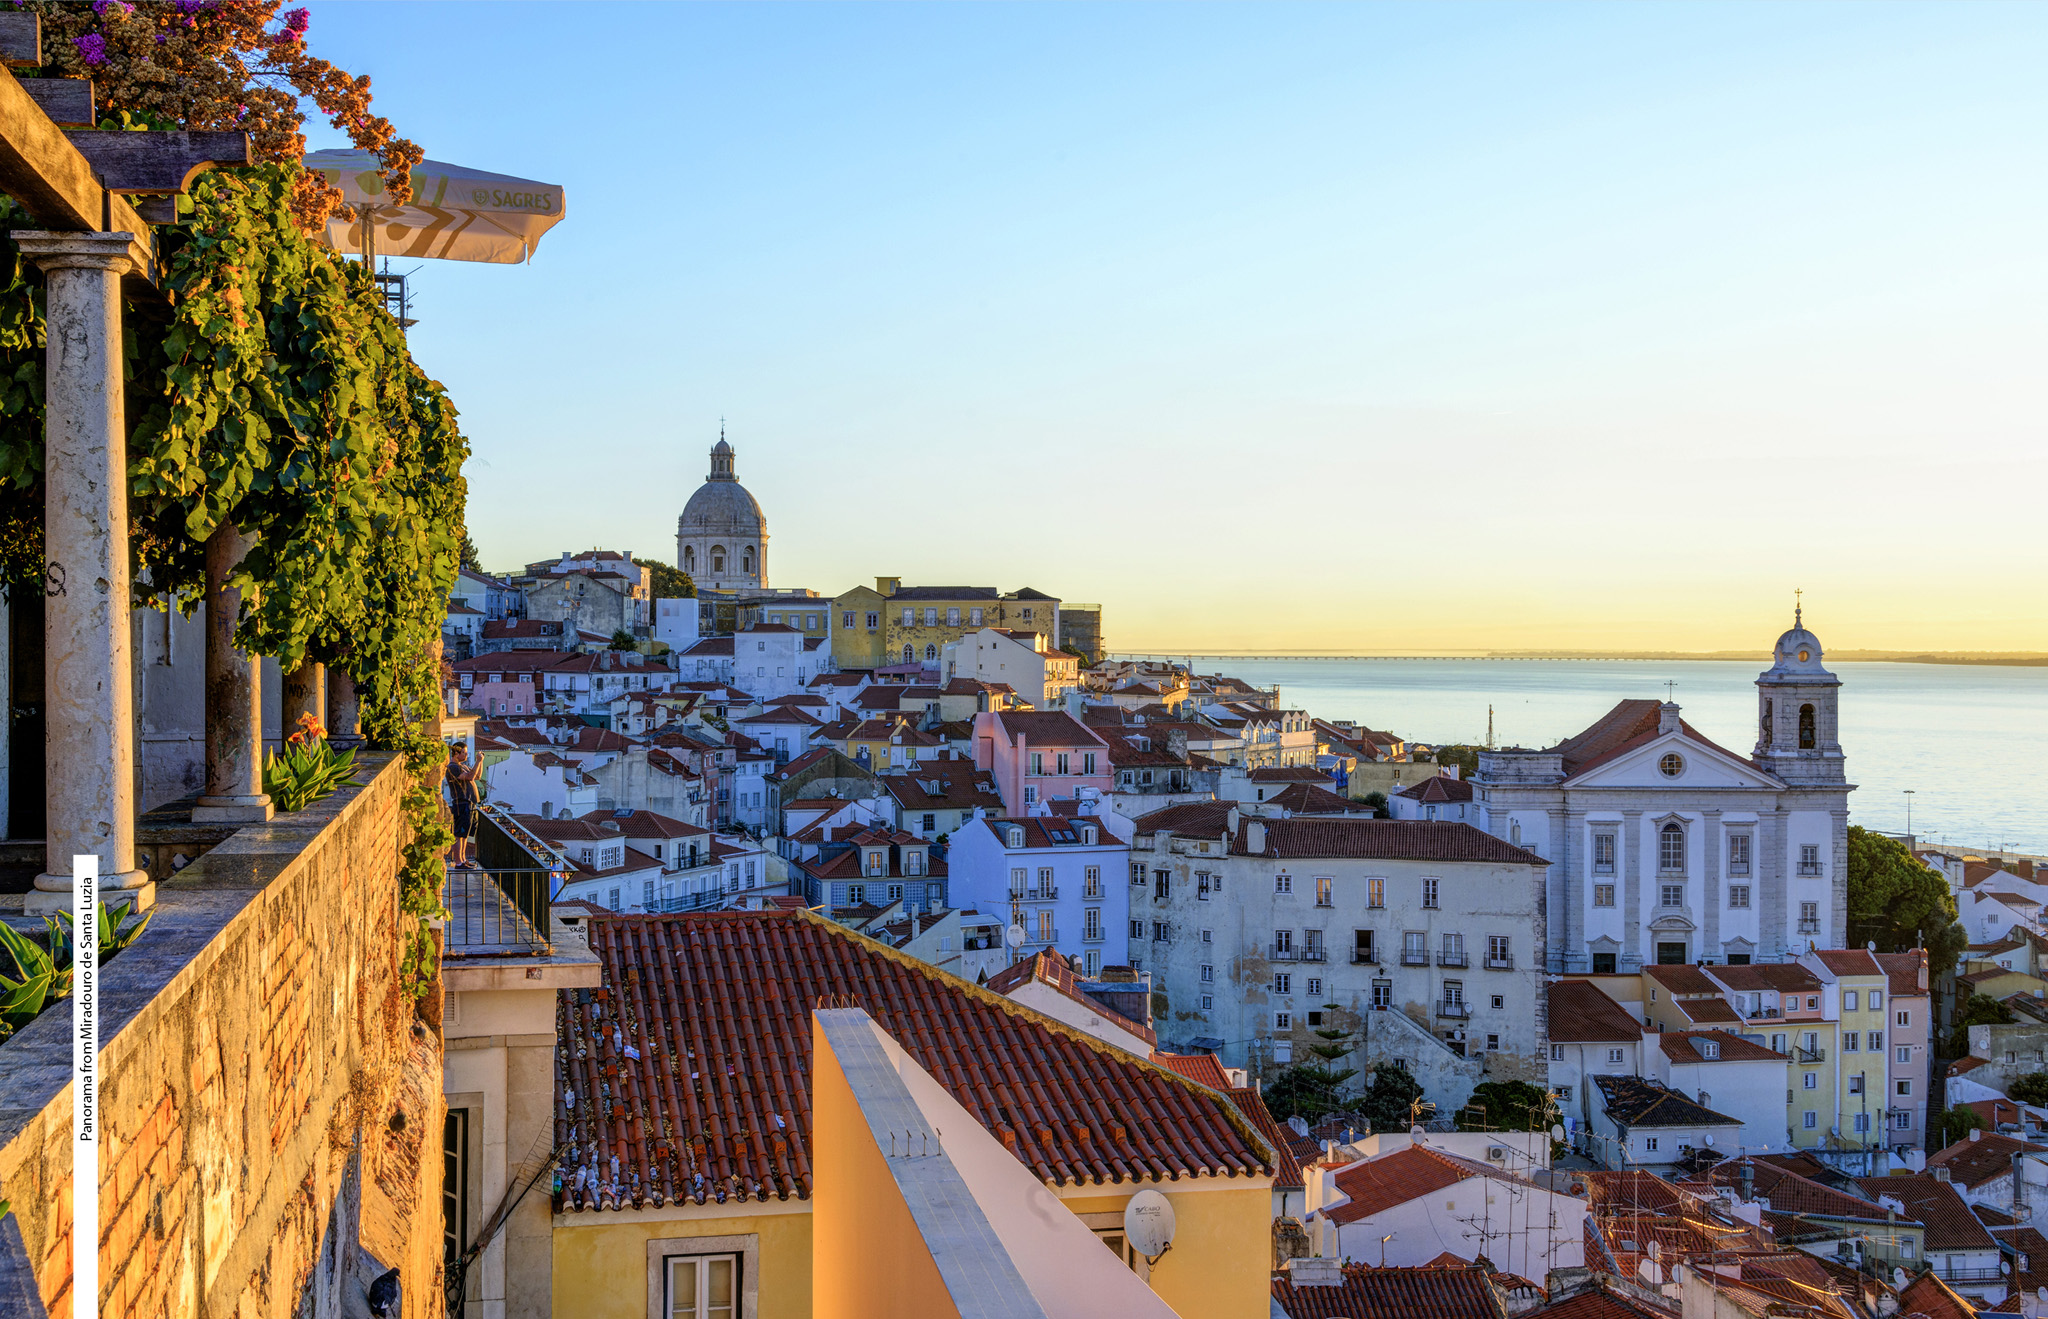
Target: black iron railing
{"points": [[498, 912]]}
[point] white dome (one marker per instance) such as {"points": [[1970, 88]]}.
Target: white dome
{"points": [[721, 508], [1797, 653]]}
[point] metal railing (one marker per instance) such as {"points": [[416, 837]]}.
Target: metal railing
{"points": [[689, 902], [1969, 1275], [1040, 935], [1314, 954], [1034, 894], [1449, 958], [1454, 1009], [1278, 954], [1807, 1055], [498, 913], [1365, 957], [1809, 869], [1415, 957], [1502, 963]]}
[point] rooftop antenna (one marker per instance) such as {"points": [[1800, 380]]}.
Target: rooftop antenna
{"points": [[1670, 690]]}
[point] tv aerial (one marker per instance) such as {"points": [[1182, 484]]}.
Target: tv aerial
{"points": [[1148, 1225]]}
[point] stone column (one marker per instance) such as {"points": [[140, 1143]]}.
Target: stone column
{"points": [[304, 690], [1632, 894], [344, 728], [1567, 882], [89, 696], [1773, 883], [234, 696]]}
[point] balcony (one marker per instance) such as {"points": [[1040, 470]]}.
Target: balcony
{"points": [[1501, 963], [1809, 870], [1450, 958], [1807, 1055], [1809, 927], [1312, 953], [1970, 1275], [1415, 957], [1042, 934], [498, 912], [1091, 936], [1455, 1009], [1364, 957], [1034, 894], [1278, 954]]}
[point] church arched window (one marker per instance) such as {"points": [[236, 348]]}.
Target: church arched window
{"points": [[689, 558], [1764, 724], [718, 558], [1808, 736], [910, 654], [1671, 849], [931, 652], [747, 560]]}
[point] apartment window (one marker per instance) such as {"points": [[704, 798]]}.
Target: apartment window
{"points": [[1283, 943], [1603, 895], [1849, 1000], [1315, 986], [1324, 897], [1283, 1021], [1809, 859], [931, 616], [1493, 1043], [1671, 895], [1904, 1089], [1557, 1053], [1382, 995], [1061, 761], [974, 618], [1162, 884], [702, 1287], [1671, 849], [1809, 1119], [1812, 1005], [1315, 1019], [1650, 1144], [1137, 929], [1208, 973], [1862, 1122], [1809, 919], [1738, 854], [1902, 1019], [1904, 1053], [952, 617], [846, 620], [1500, 1002], [895, 893], [1283, 883], [1045, 884], [1415, 948], [1850, 1040], [1160, 931], [1498, 954], [1208, 936], [909, 616], [1856, 1084], [1812, 1081], [1091, 923], [1208, 1003], [1201, 886], [1876, 1000], [614, 903], [1038, 763], [874, 620], [1429, 891], [1375, 892], [1454, 993], [1045, 927], [1091, 882], [1603, 854], [1738, 895], [1137, 872], [1283, 982], [1614, 1057], [1093, 962]]}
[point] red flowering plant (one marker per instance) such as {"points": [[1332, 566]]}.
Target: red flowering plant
{"points": [[308, 768]]}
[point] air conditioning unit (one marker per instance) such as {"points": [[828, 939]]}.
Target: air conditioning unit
{"points": [[1496, 1154]]}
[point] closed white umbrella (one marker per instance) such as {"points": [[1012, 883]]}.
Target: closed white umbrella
{"points": [[455, 214]]}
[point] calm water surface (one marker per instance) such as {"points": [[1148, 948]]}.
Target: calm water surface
{"points": [[1970, 741]]}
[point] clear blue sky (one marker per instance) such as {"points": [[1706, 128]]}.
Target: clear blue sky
{"points": [[1361, 327]]}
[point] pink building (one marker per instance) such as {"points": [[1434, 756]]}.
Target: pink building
{"points": [[504, 682], [1039, 757]]}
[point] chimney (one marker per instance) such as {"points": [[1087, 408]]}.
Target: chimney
{"points": [[1941, 1174], [1313, 1271], [1975, 1133], [1667, 717]]}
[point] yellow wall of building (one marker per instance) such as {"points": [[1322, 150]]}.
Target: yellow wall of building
{"points": [[601, 1269], [1220, 1266]]}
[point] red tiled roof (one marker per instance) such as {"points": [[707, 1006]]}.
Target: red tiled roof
{"points": [[717, 1102], [1791, 1193], [1405, 840], [1206, 818], [1290, 774], [1971, 1162], [1049, 968], [1683, 1046], [1201, 1068], [1775, 977], [1438, 789], [1581, 1014], [1630, 724], [1708, 1010], [1930, 1296], [1905, 970], [1394, 1179], [1849, 962], [1369, 1293], [1938, 1206], [1682, 979], [1047, 728], [1600, 1303], [1286, 1177], [1308, 799], [1634, 1190]]}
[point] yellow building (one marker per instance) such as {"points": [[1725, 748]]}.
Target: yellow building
{"points": [[711, 1139], [1856, 987], [890, 623]]}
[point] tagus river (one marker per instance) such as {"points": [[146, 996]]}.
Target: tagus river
{"points": [[1971, 741]]}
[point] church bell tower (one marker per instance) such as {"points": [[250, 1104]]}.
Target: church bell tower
{"points": [[1798, 707]]}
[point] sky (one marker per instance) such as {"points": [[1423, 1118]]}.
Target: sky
{"points": [[1372, 329]]}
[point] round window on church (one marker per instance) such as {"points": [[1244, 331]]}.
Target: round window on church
{"points": [[1672, 765], [1804, 654]]}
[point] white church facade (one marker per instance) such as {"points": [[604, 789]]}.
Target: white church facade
{"points": [[1667, 847]]}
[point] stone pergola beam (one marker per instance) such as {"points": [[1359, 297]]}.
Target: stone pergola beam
{"points": [[129, 163]]}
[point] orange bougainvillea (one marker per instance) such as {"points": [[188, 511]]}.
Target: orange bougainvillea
{"points": [[223, 65]]}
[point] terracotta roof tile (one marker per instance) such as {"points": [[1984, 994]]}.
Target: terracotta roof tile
{"points": [[1201, 1068], [1971, 1163], [1377, 1185], [1581, 1014], [1685, 1046], [1438, 789], [1791, 1193], [1938, 1206], [1930, 1296], [1600, 1303], [713, 1101], [1406, 840], [1369, 1293], [1050, 969], [1308, 799]]}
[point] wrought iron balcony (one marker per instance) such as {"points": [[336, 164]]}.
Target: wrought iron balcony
{"points": [[1278, 954], [1502, 963], [1454, 1009], [1415, 957], [1365, 957], [1809, 869], [1449, 958], [1314, 954]]}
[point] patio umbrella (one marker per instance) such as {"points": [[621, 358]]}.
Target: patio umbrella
{"points": [[455, 214]]}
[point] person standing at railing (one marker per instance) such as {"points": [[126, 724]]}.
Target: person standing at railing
{"points": [[462, 804]]}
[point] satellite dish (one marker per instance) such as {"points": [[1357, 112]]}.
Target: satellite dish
{"points": [[1557, 1132], [1148, 1223], [1416, 1131], [1014, 936], [1899, 1279]]}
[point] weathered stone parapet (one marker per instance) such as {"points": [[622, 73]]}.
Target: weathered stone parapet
{"points": [[89, 699], [268, 1093]]}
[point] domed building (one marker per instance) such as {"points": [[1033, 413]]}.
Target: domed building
{"points": [[722, 538]]}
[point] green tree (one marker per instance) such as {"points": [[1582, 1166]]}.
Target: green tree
{"points": [[1978, 1010], [2030, 1089], [1391, 1101], [1464, 757], [1504, 1106], [670, 582], [1378, 802], [1957, 1124], [622, 640], [469, 556], [1898, 904], [1306, 1090]]}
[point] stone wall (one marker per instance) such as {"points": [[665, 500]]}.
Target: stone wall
{"points": [[270, 1101]]}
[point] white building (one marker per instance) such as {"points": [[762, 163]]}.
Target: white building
{"points": [[1059, 876], [1025, 661], [1644, 1124], [1728, 1074], [1667, 847], [1423, 939], [765, 661], [1590, 1035]]}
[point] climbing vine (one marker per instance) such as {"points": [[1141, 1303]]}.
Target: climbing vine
{"points": [[278, 395]]}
